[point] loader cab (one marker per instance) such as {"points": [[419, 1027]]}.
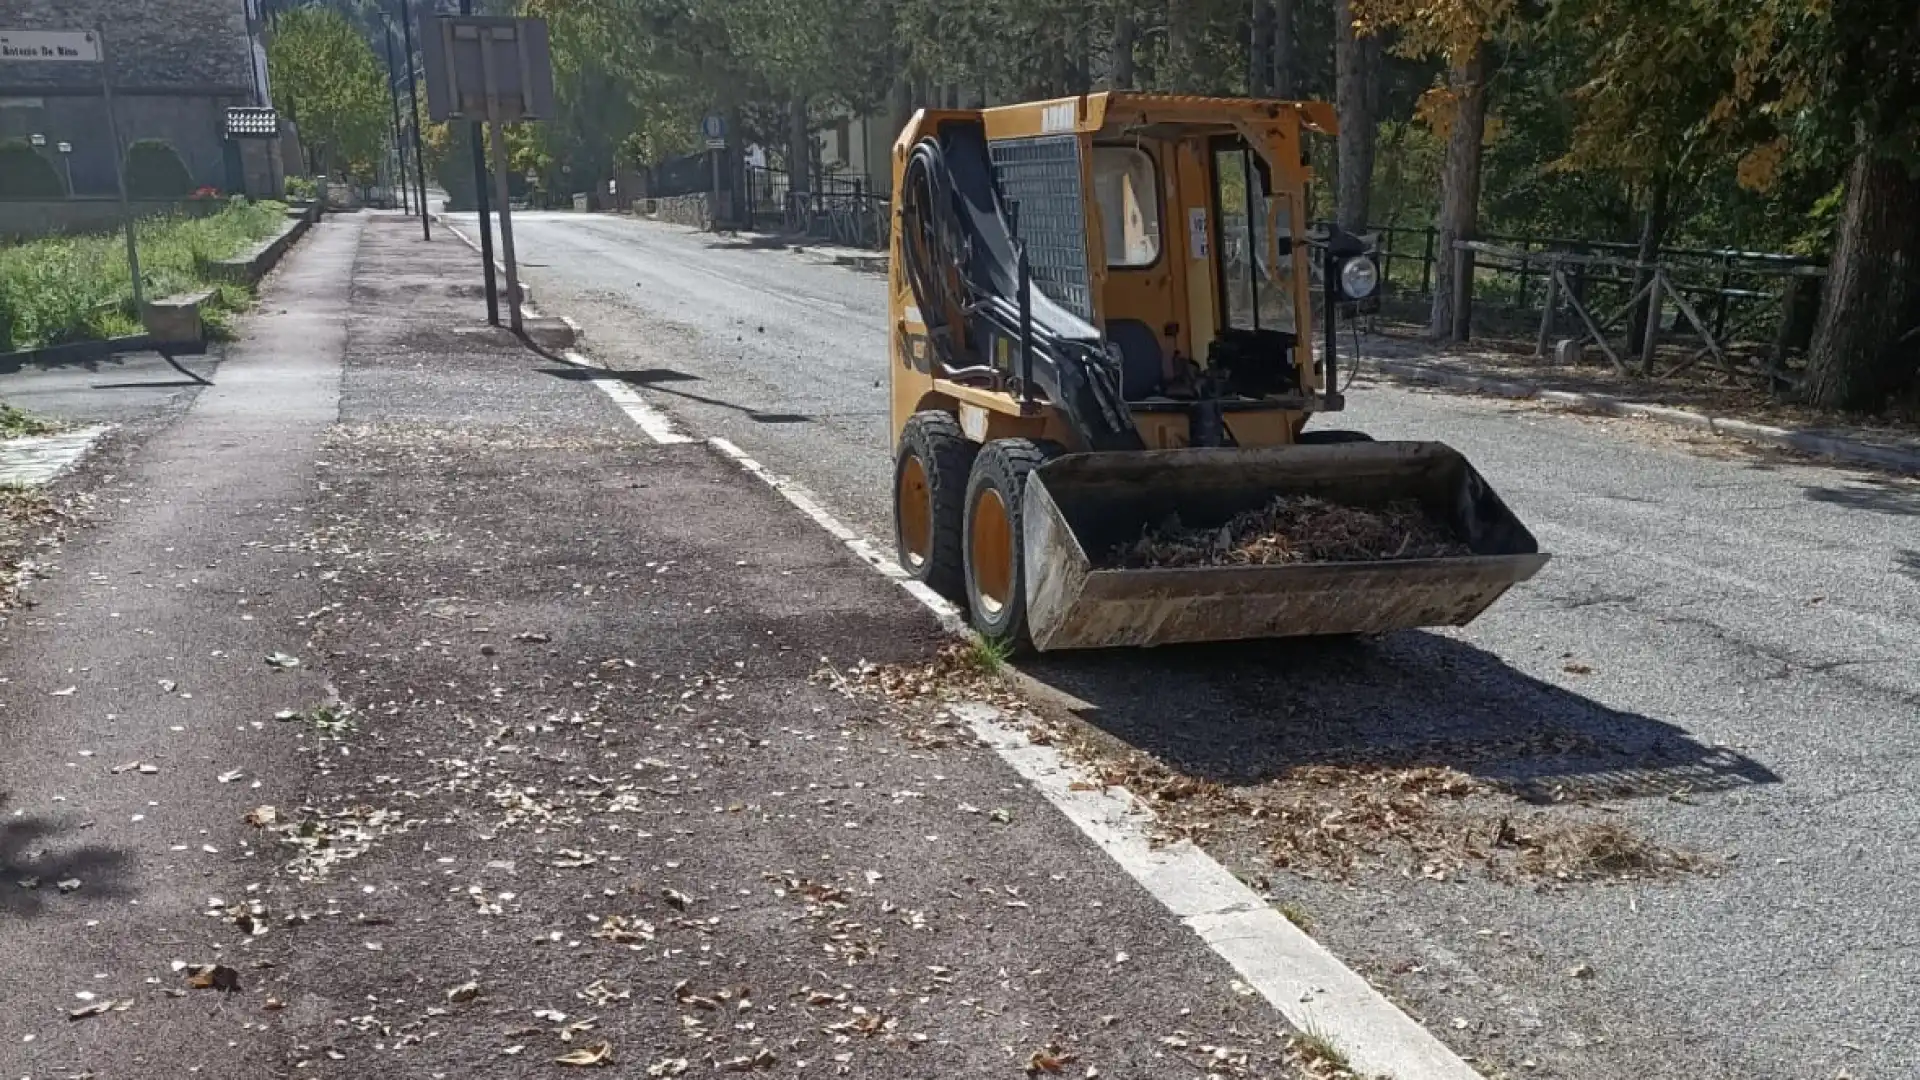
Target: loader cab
{"points": [[1197, 268]]}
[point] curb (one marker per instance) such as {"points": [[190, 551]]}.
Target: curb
{"points": [[249, 268], [1806, 442], [75, 352], [865, 264]]}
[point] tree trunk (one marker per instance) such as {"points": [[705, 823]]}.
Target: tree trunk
{"points": [[1653, 233], [900, 103], [1260, 51], [1356, 69], [1075, 73], [1872, 300], [799, 147], [1285, 57], [1120, 53], [1460, 196], [1178, 76]]}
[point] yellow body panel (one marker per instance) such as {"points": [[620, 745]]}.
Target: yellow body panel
{"points": [[1179, 292]]}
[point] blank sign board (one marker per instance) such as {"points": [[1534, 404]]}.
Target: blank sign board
{"points": [[486, 67]]}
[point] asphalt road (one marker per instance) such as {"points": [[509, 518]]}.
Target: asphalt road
{"points": [[1726, 635], [112, 389]]}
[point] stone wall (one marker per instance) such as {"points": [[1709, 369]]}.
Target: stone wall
{"points": [[685, 210], [27, 219], [176, 66], [178, 45]]}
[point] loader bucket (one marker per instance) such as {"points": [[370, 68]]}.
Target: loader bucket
{"points": [[1080, 507]]}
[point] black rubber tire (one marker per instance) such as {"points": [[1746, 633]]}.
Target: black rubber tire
{"points": [[1003, 466], [945, 452], [1330, 437]]}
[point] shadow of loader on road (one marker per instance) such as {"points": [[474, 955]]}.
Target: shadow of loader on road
{"points": [[1242, 714]]}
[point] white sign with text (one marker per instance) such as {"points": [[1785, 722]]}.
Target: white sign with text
{"points": [[70, 46]]}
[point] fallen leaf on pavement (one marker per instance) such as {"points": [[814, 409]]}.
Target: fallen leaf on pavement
{"points": [[94, 1009], [765, 1059], [1575, 668], [71, 884], [168, 686], [231, 776], [465, 992], [213, 977], [676, 899], [533, 637], [1047, 1062], [668, 1067], [282, 660], [592, 1057], [68, 692], [262, 816]]}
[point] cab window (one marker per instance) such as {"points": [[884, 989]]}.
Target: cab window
{"points": [[1123, 182], [1256, 291]]}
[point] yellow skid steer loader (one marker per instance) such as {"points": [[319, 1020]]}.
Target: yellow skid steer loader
{"points": [[1101, 314]]}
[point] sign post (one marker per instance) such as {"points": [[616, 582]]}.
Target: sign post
{"points": [[480, 204], [714, 129], [82, 47], [413, 95], [499, 69]]}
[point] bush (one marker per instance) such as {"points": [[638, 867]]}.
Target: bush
{"points": [[25, 174], [155, 171], [302, 187]]}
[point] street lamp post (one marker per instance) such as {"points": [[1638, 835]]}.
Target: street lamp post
{"points": [[66, 164]]}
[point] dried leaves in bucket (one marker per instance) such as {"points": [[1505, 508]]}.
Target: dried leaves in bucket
{"points": [[1294, 529]]}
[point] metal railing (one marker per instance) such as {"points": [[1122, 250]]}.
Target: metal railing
{"points": [[838, 210]]}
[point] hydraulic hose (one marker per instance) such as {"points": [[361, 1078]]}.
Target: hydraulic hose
{"points": [[952, 270]]}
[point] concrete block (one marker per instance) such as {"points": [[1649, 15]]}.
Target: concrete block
{"points": [[175, 320], [548, 332]]}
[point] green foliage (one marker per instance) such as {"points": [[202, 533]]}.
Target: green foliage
{"points": [[26, 174], [326, 80], [75, 288], [302, 187], [14, 423], [155, 171]]}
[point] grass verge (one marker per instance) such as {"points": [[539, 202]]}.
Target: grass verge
{"points": [[15, 424], [77, 288]]}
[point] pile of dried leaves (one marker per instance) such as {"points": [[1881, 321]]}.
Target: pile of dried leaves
{"points": [[1294, 529], [28, 517]]}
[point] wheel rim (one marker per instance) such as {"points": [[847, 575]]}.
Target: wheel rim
{"points": [[991, 539], [915, 507]]}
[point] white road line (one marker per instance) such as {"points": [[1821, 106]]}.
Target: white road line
{"points": [[1296, 974], [656, 424]]}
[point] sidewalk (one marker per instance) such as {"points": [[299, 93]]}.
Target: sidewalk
{"points": [[599, 802], [1734, 412], [518, 742]]}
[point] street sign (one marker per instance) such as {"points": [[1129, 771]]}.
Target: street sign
{"points": [[494, 68], [69, 46], [714, 129], [487, 67]]}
